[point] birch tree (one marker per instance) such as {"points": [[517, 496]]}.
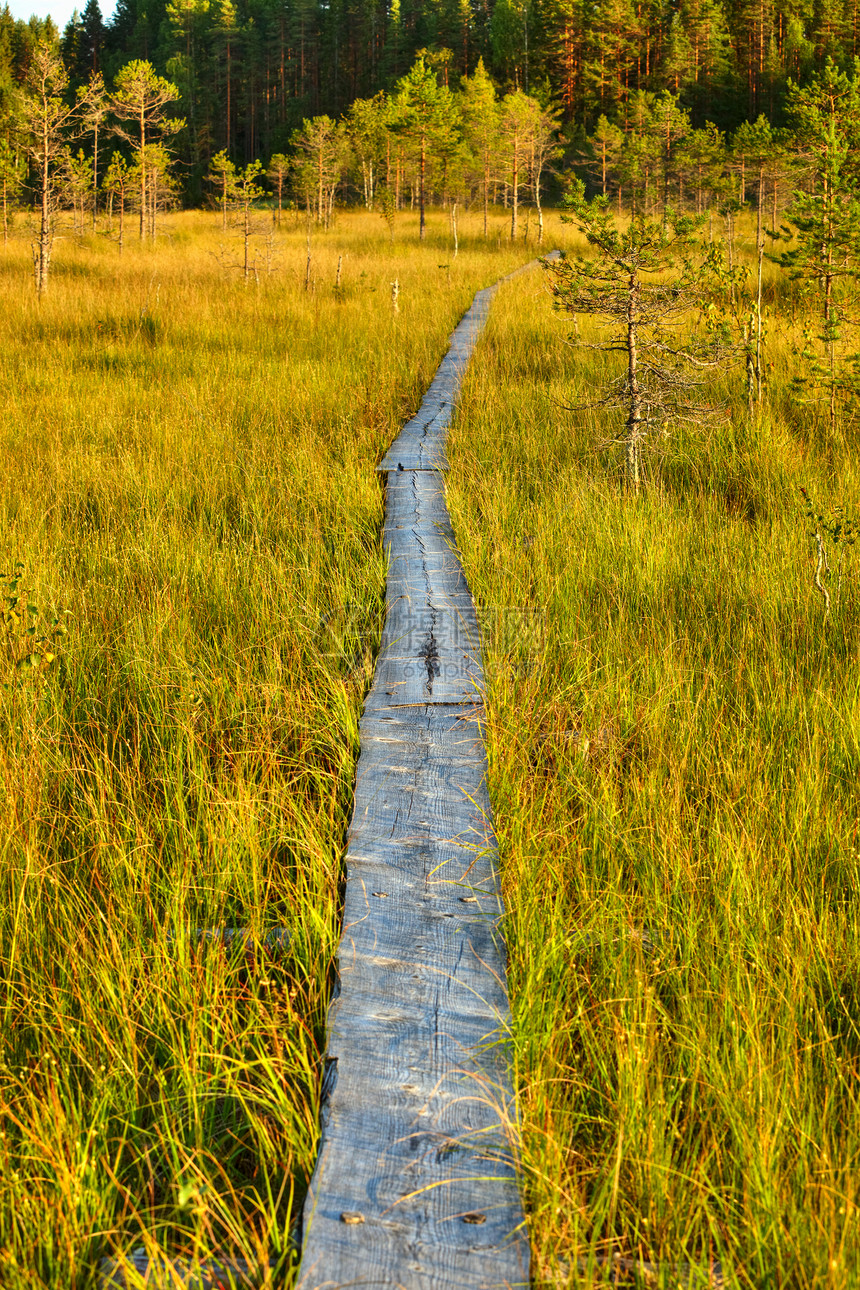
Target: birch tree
{"points": [[321, 152]]}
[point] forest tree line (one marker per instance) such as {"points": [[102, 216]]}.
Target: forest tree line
{"points": [[75, 135], [248, 72]]}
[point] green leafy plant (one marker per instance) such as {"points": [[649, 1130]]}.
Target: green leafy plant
{"points": [[30, 642]]}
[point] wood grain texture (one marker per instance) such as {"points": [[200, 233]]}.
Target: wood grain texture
{"points": [[415, 1186], [430, 648], [416, 1130]]}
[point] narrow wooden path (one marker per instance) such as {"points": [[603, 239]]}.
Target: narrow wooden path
{"points": [[415, 1184]]}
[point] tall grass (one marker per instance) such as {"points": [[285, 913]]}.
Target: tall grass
{"points": [[674, 739], [190, 492]]}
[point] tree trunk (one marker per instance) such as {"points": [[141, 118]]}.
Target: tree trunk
{"points": [[229, 87], [43, 254], [828, 300], [142, 174], [760, 251], [634, 418], [538, 206], [515, 188], [95, 172], [421, 220]]}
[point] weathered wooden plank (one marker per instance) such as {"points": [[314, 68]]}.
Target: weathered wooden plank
{"points": [[416, 499], [415, 1184], [416, 1011], [430, 648], [421, 443]]}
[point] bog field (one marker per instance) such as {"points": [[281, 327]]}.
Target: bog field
{"points": [[192, 596]]}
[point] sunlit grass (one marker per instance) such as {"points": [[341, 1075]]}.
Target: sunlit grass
{"points": [[190, 487], [673, 740]]}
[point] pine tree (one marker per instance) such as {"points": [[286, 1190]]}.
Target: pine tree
{"points": [[428, 120], [116, 184], [366, 126], [94, 105], [605, 147], [509, 37], [826, 215], [277, 173], [515, 126], [670, 123], [322, 150], [222, 177], [758, 144], [247, 190], [641, 282], [72, 47], [141, 98], [701, 160], [93, 37], [188, 20], [479, 111], [609, 64], [47, 119]]}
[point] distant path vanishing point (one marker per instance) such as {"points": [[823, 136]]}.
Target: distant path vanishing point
{"points": [[415, 1185]]}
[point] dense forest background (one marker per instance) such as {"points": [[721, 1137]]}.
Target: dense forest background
{"points": [[249, 72]]}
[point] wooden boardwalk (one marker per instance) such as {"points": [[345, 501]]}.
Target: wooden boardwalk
{"points": [[415, 1184]]}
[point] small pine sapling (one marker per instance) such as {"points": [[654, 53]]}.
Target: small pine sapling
{"points": [[387, 208], [222, 177], [115, 184], [650, 285]]}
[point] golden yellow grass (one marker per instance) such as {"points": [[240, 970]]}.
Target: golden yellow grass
{"points": [[191, 509], [674, 739]]}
